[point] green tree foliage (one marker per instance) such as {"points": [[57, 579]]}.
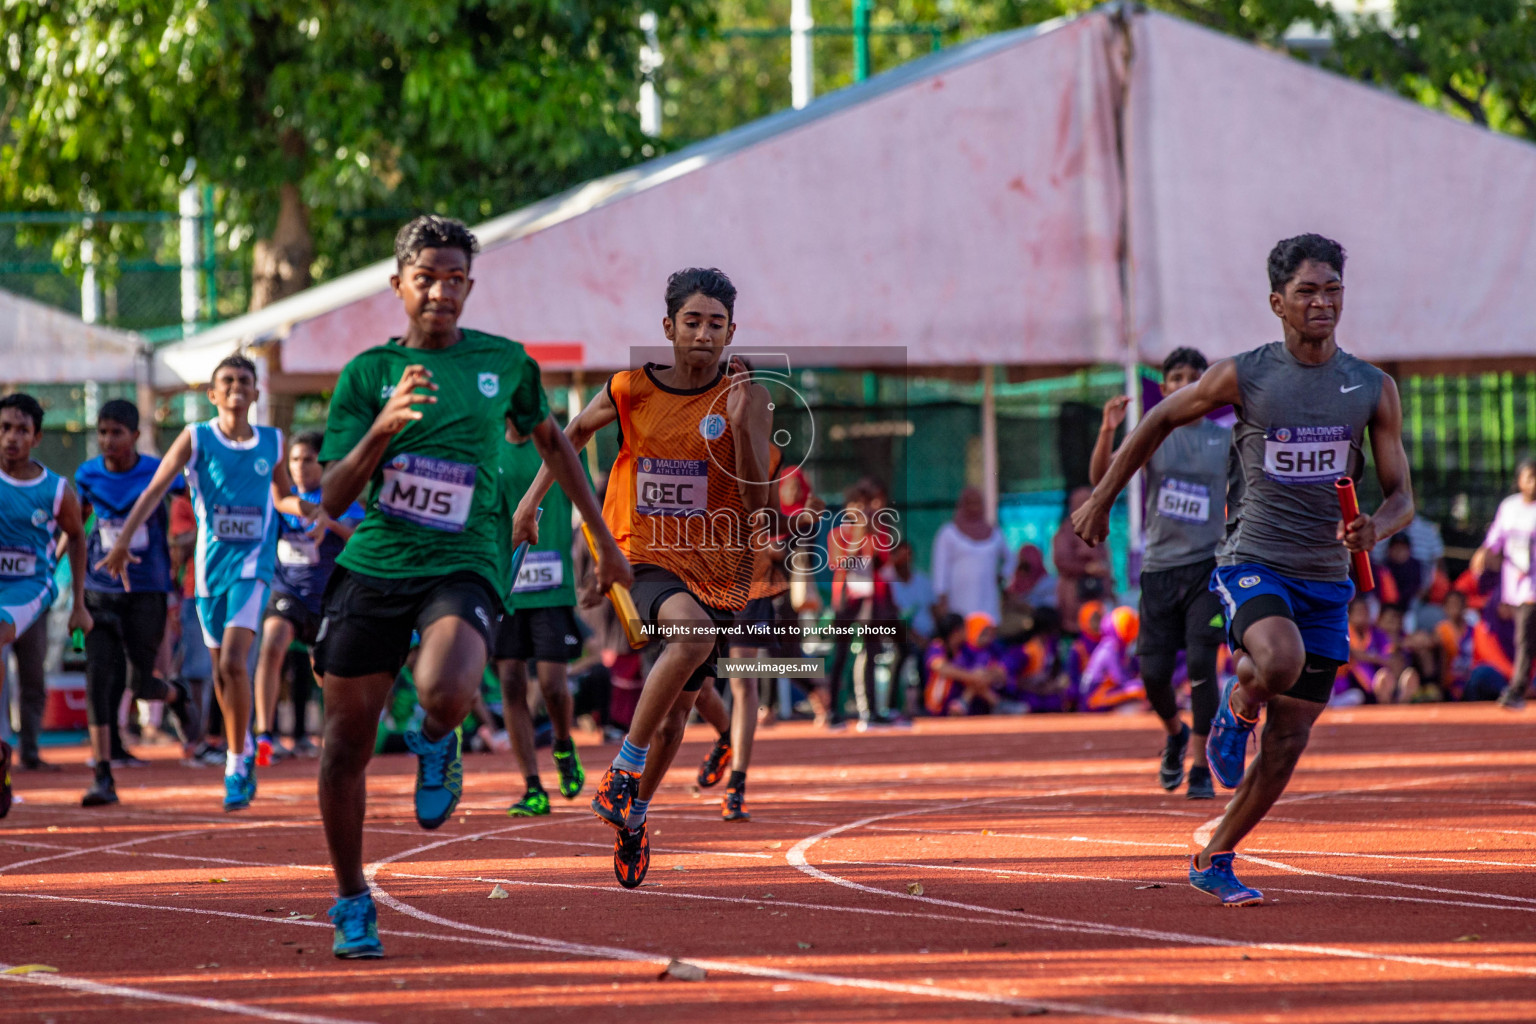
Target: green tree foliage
{"points": [[1473, 58], [303, 112]]}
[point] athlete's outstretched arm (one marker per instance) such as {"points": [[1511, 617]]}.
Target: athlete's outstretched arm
{"points": [[175, 461], [561, 460], [345, 478], [1396, 511], [1104, 447], [1218, 387], [283, 498], [598, 414], [73, 524]]}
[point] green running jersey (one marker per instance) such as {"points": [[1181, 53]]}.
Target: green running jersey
{"points": [[433, 504], [546, 579]]}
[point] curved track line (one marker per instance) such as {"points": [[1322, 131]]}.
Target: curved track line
{"points": [[796, 857], [732, 967], [1145, 881], [1203, 836], [96, 988]]}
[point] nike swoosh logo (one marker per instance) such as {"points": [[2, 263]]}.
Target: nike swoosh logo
{"points": [[1344, 390]]}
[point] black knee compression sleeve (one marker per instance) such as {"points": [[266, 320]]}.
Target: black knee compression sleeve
{"points": [[1157, 677], [1203, 689]]}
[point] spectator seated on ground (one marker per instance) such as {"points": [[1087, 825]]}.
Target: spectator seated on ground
{"points": [[1493, 652], [1113, 676], [963, 667], [1453, 640], [1090, 630], [1398, 680], [1400, 580], [1035, 680], [1356, 681]]}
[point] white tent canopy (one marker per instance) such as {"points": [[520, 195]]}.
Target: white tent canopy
{"points": [[972, 208], [45, 345]]}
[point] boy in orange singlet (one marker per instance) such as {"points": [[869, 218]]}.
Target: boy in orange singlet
{"points": [[692, 467]]}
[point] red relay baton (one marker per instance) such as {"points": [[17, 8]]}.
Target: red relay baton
{"points": [[1349, 507]]}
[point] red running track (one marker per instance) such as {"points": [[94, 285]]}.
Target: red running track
{"points": [[1398, 872]]}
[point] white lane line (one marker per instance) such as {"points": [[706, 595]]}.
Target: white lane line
{"points": [[796, 857], [97, 988], [733, 967], [1165, 883], [776, 974], [658, 850]]}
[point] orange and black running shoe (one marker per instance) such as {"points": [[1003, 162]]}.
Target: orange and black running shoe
{"points": [[631, 856], [615, 796], [733, 807], [5, 778], [713, 768]]}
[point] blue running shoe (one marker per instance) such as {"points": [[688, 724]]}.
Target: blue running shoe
{"points": [[1219, 881], [357, 928], [1227, 747], [439, 775], [240, 790]]}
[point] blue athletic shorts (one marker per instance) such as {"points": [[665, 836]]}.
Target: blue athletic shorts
{"points": [[23, 601], [1320, 610], [240, 605]]}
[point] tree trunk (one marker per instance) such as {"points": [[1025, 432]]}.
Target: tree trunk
{"points": [[280, 265]]}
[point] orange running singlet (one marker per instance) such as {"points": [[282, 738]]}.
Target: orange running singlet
{"points": [[672, 497]]}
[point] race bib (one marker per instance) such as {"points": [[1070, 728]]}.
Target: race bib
{"points": [[672, 487], [1306, 455], [542, 570], [17, 563], [428, 492], [1184, 500], [298, 549], [111, 530], [237, 524]]}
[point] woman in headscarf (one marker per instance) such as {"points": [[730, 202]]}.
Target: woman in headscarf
{"points": [[970, 560]]}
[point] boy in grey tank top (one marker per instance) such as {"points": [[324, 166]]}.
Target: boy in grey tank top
{"points": [[1304, 410], [1186, 488]]}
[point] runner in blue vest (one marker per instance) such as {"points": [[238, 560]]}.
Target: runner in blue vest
{"points": [[306, 557], [239, 485], [35, 502], [129, 614]]}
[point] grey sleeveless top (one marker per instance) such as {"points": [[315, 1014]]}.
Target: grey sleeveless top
{"points": [[1187, 496], [1299, 428]]}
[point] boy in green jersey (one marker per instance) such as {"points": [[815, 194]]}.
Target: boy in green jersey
{"points": [[415, 428], [539, 629]]}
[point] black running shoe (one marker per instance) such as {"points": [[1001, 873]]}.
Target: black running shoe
{"points": [[631, 856], [733, 807], [713, 768], [101, 793], [1171, 772], [1200, 785]]}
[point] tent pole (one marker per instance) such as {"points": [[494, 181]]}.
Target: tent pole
{"points": [[1132, 357], [989, 474], [802, 59]]}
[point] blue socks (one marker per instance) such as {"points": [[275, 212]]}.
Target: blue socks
{"points": [[636, 814], [631, 758]]}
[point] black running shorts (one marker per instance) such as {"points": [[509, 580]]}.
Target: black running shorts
{"points": [[306, 624], [369, 619], [653, 585], [538, 634], [1179, 610]]}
